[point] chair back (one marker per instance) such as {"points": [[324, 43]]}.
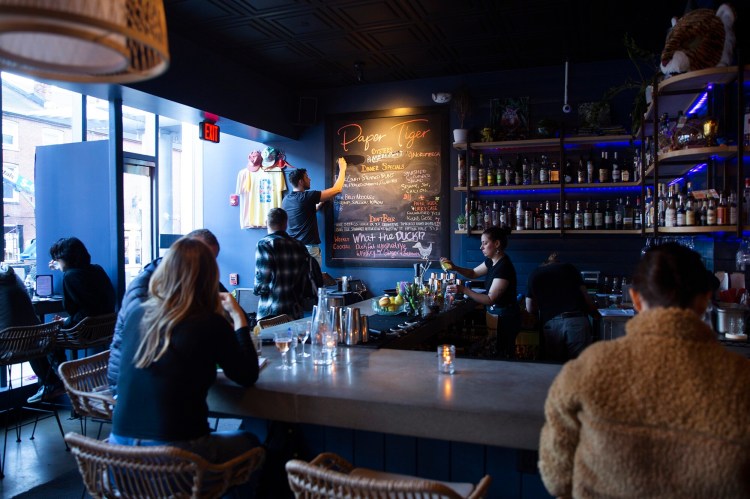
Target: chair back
{"points": [[86, 382], [122, 471], [92, 331], [274, 321], [22, 343], [330, 476]]}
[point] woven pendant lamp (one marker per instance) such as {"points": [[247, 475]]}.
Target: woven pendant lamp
{"points": [[95, 41]]}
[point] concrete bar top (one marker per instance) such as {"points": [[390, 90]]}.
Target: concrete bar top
{"points": [[486, 402]]}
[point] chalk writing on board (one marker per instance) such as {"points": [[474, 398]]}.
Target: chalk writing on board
{"points": [[391, 207]]}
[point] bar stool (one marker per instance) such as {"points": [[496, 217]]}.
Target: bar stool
{"points": [[111, 470], [21, 344], [93, 331], [86, 383], [331, 476]]}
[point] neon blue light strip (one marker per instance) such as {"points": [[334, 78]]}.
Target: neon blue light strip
{"points": [[701, 101], [697, 168]]}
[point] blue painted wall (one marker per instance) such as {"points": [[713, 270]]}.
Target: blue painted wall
{"points": [[613, 255]]}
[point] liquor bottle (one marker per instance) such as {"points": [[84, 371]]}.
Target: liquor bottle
{"points": [[567, 217], [609, 216], [689, 210], [598, 217], [681, 213], [554, 171], [534, 171], [557, 217], [628, 218], [588, 217], [578, 217], [495, 214], [461, 170], [721, 211], [732, 208], [604, 168], [746, 206], [711, 212], [474, 171], [649, 207], [491, 175], [661, 206], [481, 172], [625, 170], [670, 214], [638, 214], [528, 217], [581, 172], [538, 218], [487, 216], [619, 214], [500, 172], [549, 216], [525, 171], [704, 213], [510, 174], [590, 171], [544, 174], [480, 215], [519, 216], [568, 172], [746, 136], [616, 173]]}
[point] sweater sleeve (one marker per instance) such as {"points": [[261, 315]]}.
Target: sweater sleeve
{"points": [[560, 434], [238, 358]]}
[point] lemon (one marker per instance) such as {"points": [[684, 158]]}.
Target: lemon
{"points": [[384, 301], [399, 300]]}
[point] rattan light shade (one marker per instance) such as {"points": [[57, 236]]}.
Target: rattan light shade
{"points": [[96, 41]]}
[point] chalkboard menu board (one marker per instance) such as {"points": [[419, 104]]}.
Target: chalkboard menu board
{"points": [[394, 206]]}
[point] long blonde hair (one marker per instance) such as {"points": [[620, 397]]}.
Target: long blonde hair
{"points": [[185, 283]]}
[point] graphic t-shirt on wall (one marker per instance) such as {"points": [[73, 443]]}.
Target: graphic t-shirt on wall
{"points": [[259, 192]]}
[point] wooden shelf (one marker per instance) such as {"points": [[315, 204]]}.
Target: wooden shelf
{"points": [[597, 139], [607, 232], [677, 163], [548, 187], [516, 144], [694, 229], [551, 232]]}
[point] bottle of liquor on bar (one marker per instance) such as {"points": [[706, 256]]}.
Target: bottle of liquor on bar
{"points": [[704, 213], [474, 171], [619, 214], [481, 172], [598, 217], [473, 216], [721, 211], [747, 126], [503, 216], [590, 171], [480, 215], [661, 205], [528, 217], [549, 217], [534, 170], [689, 210], [746, 206], [581, 174], [495, 214], [649, 207], [567, 217], [519, 216], [732, 208], [544, 177], [487, 215], [681, 213], [628, 218], [609, 216], [578, 217], [588, 217], [624, 170], [554, 171], [638, 214], [616, 173], [525, 171], [510, 174], [568, 172], [491, 175], [538, 218], [670, 214], [557, 218], [519, 171], [461, 170], [500, 172], [604, 168], [711, 212]]}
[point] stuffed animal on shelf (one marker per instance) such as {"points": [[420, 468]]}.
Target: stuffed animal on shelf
{"points": [[698, 40]]}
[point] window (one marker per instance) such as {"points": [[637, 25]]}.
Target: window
{"points": [[10, 135]]}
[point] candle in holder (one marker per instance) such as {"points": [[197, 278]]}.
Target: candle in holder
{"points": [[446, 359]]}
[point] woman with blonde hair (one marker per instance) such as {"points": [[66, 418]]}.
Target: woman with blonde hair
{"points": [[172, 345]]}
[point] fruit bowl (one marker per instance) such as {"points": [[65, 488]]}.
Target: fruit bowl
{"points": [[391, 309]]}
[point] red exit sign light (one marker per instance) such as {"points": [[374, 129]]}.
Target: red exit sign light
{"points": [[209, 131]]}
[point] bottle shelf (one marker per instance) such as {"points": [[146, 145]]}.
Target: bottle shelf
{"points": [[677, 163], [693, 229], [551, 232], [549, 187]]}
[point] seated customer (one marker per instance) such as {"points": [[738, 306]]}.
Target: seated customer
{"points": [[556, 290], [87, 289], [137, 292], [171, 346], [660, 412]]}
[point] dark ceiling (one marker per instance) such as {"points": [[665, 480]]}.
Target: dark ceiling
{"points": [[316, 43]]}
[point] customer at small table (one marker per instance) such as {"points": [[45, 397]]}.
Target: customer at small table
{"points": [[660, 412], [500, 286], [282, 268], [556, 292], [137, 292], [172, 345], [87, 289], [301, 206]]}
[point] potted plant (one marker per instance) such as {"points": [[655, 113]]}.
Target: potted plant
{"points": [[461, 221], [462, 107]]}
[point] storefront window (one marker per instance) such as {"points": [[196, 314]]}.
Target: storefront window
{"points": [[97, 119]]}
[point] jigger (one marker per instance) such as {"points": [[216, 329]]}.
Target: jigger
{"points": [[352, 325]]}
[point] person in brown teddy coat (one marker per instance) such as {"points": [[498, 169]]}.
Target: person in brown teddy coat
{"points": [[661, 412]]}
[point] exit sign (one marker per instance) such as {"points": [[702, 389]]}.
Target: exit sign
{"points": [[209, 131]]}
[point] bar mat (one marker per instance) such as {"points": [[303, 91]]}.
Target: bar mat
{"points": [[386, 322]]}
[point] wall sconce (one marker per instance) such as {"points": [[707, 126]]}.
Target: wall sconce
{"points": [[112, 41]]}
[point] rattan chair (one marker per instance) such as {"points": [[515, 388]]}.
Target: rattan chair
{"points": [[86, 382], [93, 331], [331, 476], [22, 344], [274, 321], [122, 471]]}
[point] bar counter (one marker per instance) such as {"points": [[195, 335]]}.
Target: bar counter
{"points": [[487, 402]]}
